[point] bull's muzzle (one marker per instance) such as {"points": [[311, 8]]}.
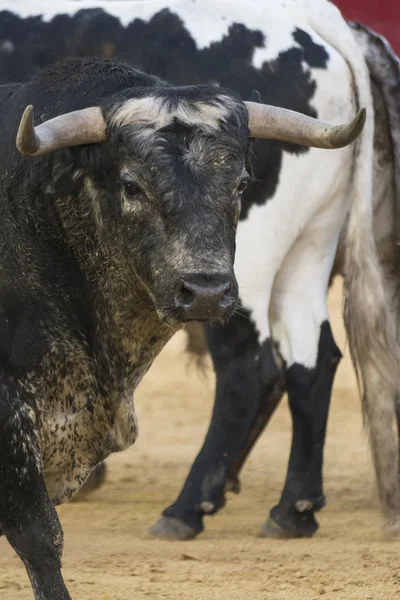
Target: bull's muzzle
{"points": [[201, 297]]}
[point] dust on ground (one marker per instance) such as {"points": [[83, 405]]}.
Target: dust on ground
{"points": [[109, 556]]}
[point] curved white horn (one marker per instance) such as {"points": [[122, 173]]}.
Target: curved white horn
{"points": [[273, 123], [86, 126]]}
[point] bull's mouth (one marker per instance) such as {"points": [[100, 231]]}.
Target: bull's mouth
{"points": [[197, 321], [177, 322], [213, 320], [176, 318]]}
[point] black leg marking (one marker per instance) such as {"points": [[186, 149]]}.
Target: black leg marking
{"points": [[273, 386], [27, 516], [309, 392], [243, 383]]}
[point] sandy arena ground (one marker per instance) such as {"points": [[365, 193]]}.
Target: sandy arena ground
{"points": [[109, 556]]}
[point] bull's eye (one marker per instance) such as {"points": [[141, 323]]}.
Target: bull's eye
{"points": [[243, 185], [131, 188]]}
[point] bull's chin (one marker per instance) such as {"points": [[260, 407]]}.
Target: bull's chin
{"points": [[200, 320], [169, 319], [176, 319]]}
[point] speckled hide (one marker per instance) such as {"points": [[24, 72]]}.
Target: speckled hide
{"points": [[85, 408]]}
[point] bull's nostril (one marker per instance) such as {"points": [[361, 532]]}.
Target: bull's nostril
{"points": [[226, 301], [185, 296], [227, 288]]}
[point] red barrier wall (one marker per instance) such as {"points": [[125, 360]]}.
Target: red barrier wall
{"points": [[381, 15]]}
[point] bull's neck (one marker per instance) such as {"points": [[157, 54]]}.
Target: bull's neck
{"points": [[125, 316], [128, 323]]}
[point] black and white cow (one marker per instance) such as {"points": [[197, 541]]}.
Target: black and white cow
{"points": [[303, 213], [252, 376]]}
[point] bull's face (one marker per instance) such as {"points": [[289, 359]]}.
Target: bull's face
{"points": [[181, 174], [164, 190]]}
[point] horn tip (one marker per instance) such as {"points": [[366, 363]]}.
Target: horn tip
{"points": [[352, 131], [26, 141], [359, 122]]}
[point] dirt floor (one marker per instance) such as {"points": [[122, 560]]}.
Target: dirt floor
{"points": [[109, 556]]}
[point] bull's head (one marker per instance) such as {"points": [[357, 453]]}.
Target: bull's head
{"points": [[175, 171]]}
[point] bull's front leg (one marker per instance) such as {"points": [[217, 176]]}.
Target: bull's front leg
{"points": [[27, 516], [243, 405]]}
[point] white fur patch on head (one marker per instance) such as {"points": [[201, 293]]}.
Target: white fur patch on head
{"points": [[156, 113]]}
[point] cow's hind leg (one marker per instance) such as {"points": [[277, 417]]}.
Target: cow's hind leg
{"points": [[300, 326], [243, 387], [269, 401], [27, 517]]}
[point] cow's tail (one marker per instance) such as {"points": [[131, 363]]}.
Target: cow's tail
{"points": [[370, 322]]}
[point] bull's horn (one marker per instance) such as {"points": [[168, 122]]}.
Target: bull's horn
{"points": [[86, 126], [273, 123]]}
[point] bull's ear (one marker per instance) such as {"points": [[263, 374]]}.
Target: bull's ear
{"points": [[256, 97]]}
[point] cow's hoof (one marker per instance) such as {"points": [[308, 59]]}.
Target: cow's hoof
{"points": [[95, 480], [293, 528], [233, 485], [169, 528]]}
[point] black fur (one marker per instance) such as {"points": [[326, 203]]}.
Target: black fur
{"points": [[309, 392]]}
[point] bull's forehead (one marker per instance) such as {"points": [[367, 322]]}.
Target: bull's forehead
{"points": [[161, 112], [178, 137]]}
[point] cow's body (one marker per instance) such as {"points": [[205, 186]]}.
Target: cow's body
{"points": [[299, 54]]}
